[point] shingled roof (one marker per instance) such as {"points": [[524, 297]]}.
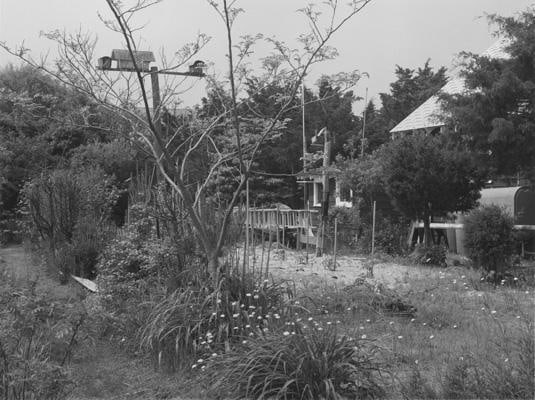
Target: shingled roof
{"points": [[429, 114]]}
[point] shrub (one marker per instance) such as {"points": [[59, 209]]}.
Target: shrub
{"points": [[489, 237], [302, 364]]}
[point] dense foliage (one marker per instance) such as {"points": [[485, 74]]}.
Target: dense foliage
{"points": [[425, 177], [489, 238], [496, 117]]}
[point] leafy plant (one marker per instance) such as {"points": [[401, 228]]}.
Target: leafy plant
{"points": [[37, 337]]}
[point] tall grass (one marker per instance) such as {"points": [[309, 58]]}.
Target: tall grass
{"points": [[197, 320], [302, 364]]}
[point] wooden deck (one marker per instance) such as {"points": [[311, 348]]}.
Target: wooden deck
{"points": [[303, 223]]}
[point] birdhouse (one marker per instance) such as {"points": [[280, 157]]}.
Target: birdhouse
{"points": [[125, 60], [104, 63], [197, 68]]}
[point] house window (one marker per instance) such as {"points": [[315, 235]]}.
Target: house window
{"points": [[318, 190], [344, 196]]}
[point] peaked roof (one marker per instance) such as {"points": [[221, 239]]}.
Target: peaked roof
{"points": [[428, 115]]}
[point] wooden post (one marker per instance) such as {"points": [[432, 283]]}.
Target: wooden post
{"points": [[246, 250], [267, 260], [325, 194], [373, 228], [335, 242]]}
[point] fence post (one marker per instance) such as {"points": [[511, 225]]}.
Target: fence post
{"points": [[335, 242]]}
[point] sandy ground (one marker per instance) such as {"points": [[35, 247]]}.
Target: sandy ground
{"points": [[293, 265]]}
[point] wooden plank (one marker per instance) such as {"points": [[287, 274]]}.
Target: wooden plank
{"points": [[89, 285]]}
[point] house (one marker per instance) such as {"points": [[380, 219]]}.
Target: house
{"points": [[518, 200], [339, 195]]}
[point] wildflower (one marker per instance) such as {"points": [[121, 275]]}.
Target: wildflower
{"points": [[194, 366], [214, 314], [236, 328], [252, 307], [348, 308], [518, 317], [412, 320], [462, 277], [493, 312], [320, 328], [329, 323], [506, 360], [235, 315], [203, 368], [461, 358], [285, 333], [391, 322], [361, 327], [234, 303], [310, 318], [367, 320], [455, 281], [479, 295], [293, 333], [214, 354], [222, 315], [416, 361], [338, 321], [527, 291], [296, 302], [363, 337], [482, 308], [218, 301], [259, 317], [277, 316], [248, 294], [400, 337], [200, 361], [515, 278], [454, 326], [256, 297], [298, 320], [431, 337], [424, 323], [244, 342], [251, 334]]}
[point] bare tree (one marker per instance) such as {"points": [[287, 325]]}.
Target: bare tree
{"points": [[124, 91]]}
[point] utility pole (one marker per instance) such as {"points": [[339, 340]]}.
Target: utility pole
{"points": [[364, 124], [305, 188], [325, 193]]}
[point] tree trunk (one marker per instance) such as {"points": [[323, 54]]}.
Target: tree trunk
{"points": [[213, 267]]}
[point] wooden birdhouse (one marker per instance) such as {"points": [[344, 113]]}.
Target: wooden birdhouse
{"points": [[125, 60]]}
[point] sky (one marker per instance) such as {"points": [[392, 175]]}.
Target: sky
{"points": [[384, 34]]}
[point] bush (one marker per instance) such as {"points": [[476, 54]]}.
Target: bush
{"points": [[489, 237], [302, 364]]}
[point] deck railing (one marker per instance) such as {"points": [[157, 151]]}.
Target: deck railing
{"points": [[273, 218]]}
